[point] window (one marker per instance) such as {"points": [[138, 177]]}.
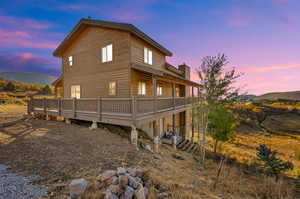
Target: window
{"points": [[177, 91], [159, 90], [75, 91], [147, 56], [112, 88], [142, 88], [70, 60], [107, 53]]}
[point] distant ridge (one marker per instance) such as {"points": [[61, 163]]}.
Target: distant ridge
{"points": [[292, 95], [27, 77]]}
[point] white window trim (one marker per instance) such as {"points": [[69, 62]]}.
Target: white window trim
{"points": [[112, 90], [75, 91], [142, 90], [148, 56], [70, 60], [107, 53]]}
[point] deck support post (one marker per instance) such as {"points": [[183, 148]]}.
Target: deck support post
{"points": [[47, 117], [67, 121], [156, 139], [94, 125], [193, 122], [174, 139], [134, 136]]}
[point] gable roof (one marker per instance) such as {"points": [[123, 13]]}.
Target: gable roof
{"points": [[112, 25]]}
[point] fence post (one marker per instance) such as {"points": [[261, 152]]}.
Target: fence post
{"points": [[99, 108], [74, 107], [29, 105]]}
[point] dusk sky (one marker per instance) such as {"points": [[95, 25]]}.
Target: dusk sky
{"points": [[260, 37]]}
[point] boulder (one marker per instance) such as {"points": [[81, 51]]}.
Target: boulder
{"points": [[115, 180], [121, 171], [77, 187], [123, 181], [110, 195], [115, 189], [133, 182], [107, 174], [139, 193], [129, 193], [131, 171]]}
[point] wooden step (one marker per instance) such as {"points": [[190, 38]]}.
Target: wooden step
{"points": [[188, 144], [190, 147], [179, 146]]}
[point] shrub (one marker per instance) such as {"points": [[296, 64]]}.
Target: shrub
{"points": [[270, 164]]}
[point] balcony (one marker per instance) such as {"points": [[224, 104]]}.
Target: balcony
{"points": [[121, 111]]}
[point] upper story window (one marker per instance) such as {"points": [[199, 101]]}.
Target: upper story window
{"points": [[159, 91], [177, 91], [142, 88], [70, 60], [147, 56], [107, 53], [112, 88], [75, 91]]}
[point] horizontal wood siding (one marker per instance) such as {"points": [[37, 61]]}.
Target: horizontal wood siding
{"points": [[137, 55], [89, 72]]}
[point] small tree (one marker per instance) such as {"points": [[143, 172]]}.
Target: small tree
{"points": [[46, 90], [10, 87], [216, 87], [222, 125], [270, 163]]}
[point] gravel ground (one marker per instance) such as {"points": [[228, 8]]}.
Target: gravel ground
{"points": [[15, 186]]}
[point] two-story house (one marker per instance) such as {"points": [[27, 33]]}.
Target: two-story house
{"points": [[114, 73]]}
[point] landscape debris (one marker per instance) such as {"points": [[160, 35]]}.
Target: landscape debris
{"points": [[122, 184], [178, 157], [77, 187], [15, 186]]}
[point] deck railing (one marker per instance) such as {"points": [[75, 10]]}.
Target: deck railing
{"points": [[130, 107]]}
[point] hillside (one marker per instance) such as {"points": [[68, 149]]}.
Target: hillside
{"points": [[292, 95], [26, 77]]}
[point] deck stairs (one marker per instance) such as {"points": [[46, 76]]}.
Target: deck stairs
{"points": [[188, 146]]}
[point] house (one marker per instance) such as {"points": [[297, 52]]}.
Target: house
{"points": [[114, 73]]}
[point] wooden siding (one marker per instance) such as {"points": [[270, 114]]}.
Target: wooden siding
{"points": [[89, 72], [137, 55]]}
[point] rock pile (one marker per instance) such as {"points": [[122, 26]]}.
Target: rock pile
{"points": [[122, 184]]}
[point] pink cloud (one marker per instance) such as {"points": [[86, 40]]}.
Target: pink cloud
{"points": [[238, 18], [270, 68], [280, 1]]}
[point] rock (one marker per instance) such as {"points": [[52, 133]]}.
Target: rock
{"points": [[115, 180], [178, 157], [146, 192], [157, 156], [190, 186], [123, 181], [131, 171], [3, 168], [115, 189], [140, 193], [133, 182], [199, 182], [107, 174], [77, 187], [109, 195], [163, 195], [200, 169], [146, 147], [129, 193], [121, 171]]}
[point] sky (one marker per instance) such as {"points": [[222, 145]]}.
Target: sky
{"points": [[261, 38]]}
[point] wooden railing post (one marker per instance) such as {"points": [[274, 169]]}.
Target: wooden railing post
{"points": [[59, 106], [45, 105], [74, 107], [173, 95], [133, 108], [154, 94], [99, 108], [30, 105]]}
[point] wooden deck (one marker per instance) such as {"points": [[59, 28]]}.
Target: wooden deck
{"points": [[121, 111]]}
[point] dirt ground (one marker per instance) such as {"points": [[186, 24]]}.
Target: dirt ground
{"points": [[59, 152]]}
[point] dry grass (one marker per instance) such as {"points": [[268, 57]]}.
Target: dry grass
{"points": [[11, 112], [243, 148]]}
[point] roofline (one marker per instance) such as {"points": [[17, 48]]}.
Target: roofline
{"points": [[112, 25]]}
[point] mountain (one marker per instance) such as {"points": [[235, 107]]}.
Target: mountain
{"points": [[292, 95], [26, 77], [245, 98]]}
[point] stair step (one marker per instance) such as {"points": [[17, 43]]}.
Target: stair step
{"points": [[190, 147], [188, 144], [182, 144]]}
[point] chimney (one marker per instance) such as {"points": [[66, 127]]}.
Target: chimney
{"points": [[186, 71]]}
